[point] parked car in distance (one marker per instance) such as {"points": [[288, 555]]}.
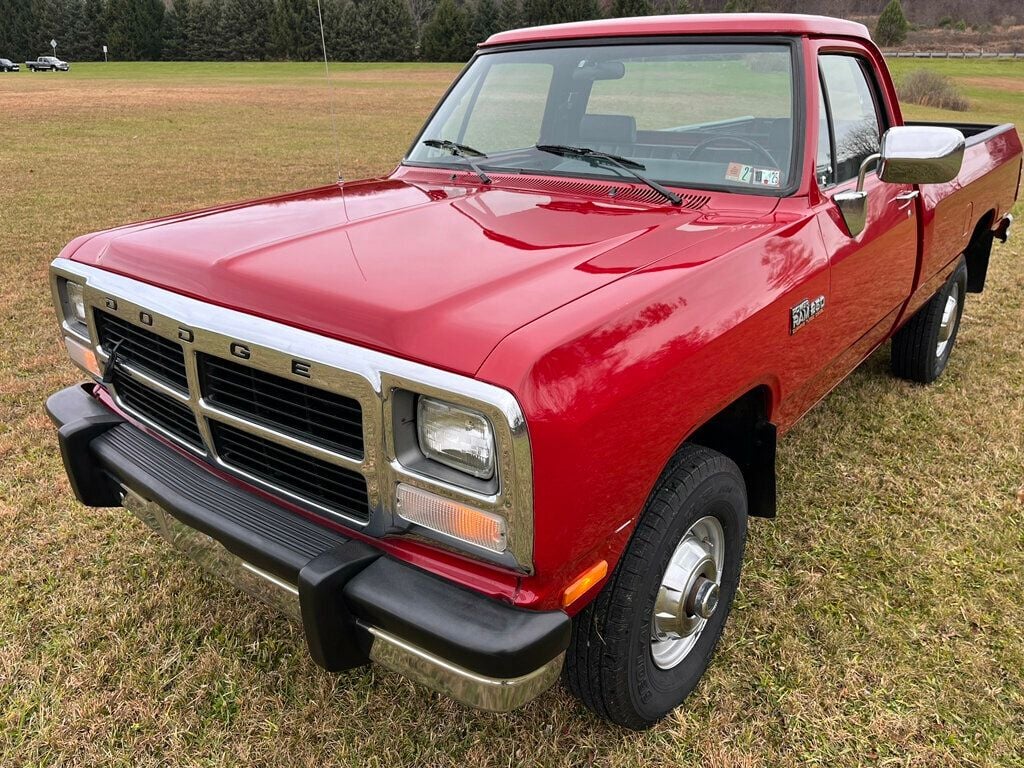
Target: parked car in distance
{"points": [[6, 65], [48, 63], [510, 406]]}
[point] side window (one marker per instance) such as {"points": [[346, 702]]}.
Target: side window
{"points": [[509, 108], [855, 118], [823, 163]]}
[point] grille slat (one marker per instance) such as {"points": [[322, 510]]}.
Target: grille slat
{"points": [[317, 481], [154, 355], [317, 416], [162, 410], [285, 399]]}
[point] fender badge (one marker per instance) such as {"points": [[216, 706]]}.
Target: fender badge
{"points": [[803, 312]]}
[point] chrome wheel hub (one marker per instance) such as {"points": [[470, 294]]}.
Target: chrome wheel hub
{"points": [[688, 595], [949, 319]]}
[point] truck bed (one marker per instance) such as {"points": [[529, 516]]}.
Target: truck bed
{"points": [[982, 192], [974, 132]]}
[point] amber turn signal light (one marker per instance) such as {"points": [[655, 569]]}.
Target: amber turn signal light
{"points": [[582, 585], [82, 356]]}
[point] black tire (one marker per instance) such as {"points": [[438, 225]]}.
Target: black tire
{"points": [[915, 346], [609, 665]]}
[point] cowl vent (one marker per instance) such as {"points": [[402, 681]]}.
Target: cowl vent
{"points": [[617, 191]]}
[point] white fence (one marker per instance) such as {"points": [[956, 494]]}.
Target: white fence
{"points": [[952, 55]]}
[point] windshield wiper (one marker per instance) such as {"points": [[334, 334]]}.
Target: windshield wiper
{"points": [[462, 151], [597, 158]]}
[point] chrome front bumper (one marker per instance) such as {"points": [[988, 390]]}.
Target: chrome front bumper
{"points": [[478, 691]]}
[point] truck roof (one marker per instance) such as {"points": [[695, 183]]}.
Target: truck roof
{"points": [[688, 24]]}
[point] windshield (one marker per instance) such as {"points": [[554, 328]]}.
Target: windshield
{"points": [[706, 115]]}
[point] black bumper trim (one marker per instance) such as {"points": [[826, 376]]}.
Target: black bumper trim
{"points": [[485, 636], [340, 580], [248, 526]]}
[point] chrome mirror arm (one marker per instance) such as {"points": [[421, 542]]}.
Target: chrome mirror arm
{"points": [[869, 162]]}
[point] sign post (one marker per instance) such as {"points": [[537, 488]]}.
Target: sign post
{"points": [[104, 53], [53, 44]]}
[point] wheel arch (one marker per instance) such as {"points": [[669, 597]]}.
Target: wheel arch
{"points": [[743, 431], [978, 251]]}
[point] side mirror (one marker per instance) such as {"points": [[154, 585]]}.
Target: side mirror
{"points": [[920, 154], [909, 154]]}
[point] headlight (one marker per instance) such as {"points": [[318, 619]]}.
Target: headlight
{"points": [[75, 309], [457, 437]]}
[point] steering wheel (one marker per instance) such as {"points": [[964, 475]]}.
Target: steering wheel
{"points": [[752, 144]]}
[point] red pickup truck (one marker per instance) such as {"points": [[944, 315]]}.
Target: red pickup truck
{"points": [[506, 411]]}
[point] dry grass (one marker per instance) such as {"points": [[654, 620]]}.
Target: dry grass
{"points": [[879, 617]]}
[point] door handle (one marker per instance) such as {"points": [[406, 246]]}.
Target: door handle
{"points": [[905, 201]]}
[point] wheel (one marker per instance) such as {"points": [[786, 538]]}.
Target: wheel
{"points": [[921, 348], [642, 645]]}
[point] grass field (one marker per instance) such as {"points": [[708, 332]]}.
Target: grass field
{"points": [[878, 622]]}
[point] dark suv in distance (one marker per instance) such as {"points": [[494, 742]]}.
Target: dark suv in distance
{"points": [[6, 65]]}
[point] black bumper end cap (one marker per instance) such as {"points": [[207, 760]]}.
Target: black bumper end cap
{"points": [[80, 418], [476, 632], [330, 628]]}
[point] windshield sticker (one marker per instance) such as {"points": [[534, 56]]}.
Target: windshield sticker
{"points": [[748, 174]]}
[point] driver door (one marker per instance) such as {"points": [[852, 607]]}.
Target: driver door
{"points": [[873, 272]]}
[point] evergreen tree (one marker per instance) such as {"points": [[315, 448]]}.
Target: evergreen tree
{"points": [[294, 30], [94, 30], [17, 30], [174, 35], [46, 17], [511, 15], [124, 29], [73, 29], [537, 12], [486, 20], [343, 30], [245, 29], [199, 30], [152, 12], [446, 35], [387, 29], [626, 8], [892, 25]]}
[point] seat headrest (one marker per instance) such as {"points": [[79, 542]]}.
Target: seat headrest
{"points": [[609, 129]]}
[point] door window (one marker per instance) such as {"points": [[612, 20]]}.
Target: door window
{"points": [[823, 162], [856, 124]]}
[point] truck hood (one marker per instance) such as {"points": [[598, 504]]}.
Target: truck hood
{"points": [[414, 265]]}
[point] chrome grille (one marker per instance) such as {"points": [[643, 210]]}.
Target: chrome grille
{"points": [[144, 350], [163, 411], [308, 413], [309, 478], [300, 441]]}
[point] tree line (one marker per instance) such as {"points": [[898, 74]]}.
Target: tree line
{"points": [[354, 30]]}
